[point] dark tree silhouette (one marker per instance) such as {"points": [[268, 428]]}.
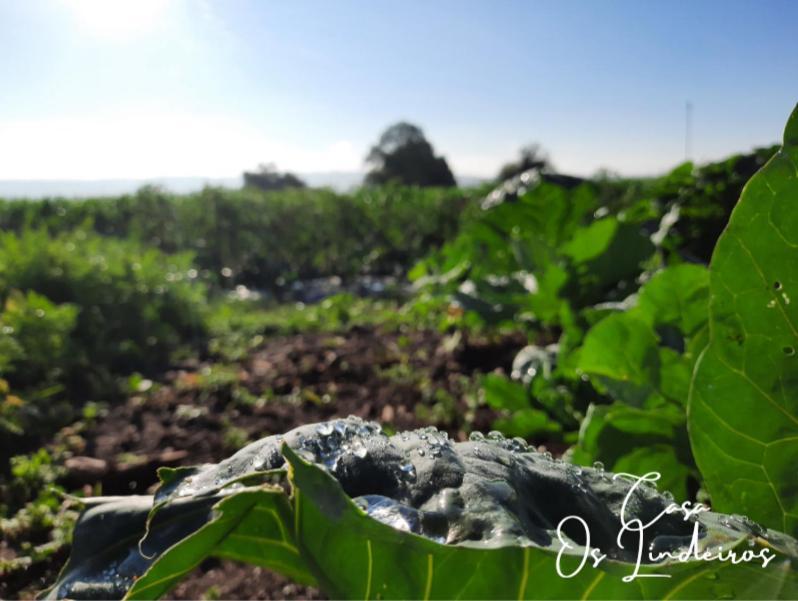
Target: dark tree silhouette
{"points": [[404, 155], [268, 178], [531, 157]]}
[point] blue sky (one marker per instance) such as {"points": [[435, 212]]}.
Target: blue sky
{"points": [[97, 89]]}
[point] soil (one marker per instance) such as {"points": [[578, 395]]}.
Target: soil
{"points": [[195, 415]]}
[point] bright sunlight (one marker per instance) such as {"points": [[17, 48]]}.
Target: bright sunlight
{"points": [[118, 20]]}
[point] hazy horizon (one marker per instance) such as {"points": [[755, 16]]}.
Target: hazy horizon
{"points": [[149, 89]]}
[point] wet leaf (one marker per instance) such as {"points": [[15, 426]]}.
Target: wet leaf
{"points": [[413, 515], [251, 526]]}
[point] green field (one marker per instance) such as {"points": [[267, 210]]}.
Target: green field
{"points": [[612, 322]]}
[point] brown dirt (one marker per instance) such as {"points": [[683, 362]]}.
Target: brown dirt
{"points": [[402, 380]]}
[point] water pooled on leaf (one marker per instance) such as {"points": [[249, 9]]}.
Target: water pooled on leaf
{"points": [[408, 470], [325, 429]]}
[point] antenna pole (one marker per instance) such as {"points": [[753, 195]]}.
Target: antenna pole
{"points": [[688, 130]]}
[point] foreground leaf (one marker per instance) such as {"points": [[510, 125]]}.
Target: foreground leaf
{"points": [[413, 516], [743, 412], [106, 557], [250, 526], [359, 557]]}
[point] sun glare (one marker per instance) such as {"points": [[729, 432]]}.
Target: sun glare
{"points": [[118, 19]]}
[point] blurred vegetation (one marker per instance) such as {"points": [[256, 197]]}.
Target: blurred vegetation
{"points": [[264, 239], [530, 158], [94, 290], [606, 278], [78, 312]]}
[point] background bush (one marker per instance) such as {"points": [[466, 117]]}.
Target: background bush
{"points": [[80, 310]]}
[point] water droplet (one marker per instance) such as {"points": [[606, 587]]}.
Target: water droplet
{"points": [[598, 466], [409, 470], [421, 452], [341, 428], [325, 429], [495, 435], [359, 449], [391, 512], [476, 437], [789, 351]]}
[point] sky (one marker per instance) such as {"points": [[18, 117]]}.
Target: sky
{"points": [[101, 89]]}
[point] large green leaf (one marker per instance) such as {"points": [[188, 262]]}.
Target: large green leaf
{"points": [[106, 556], [632, 353], [676, 296], [416, 516], [359, 557], [622, 353], [603, 254], [743, 412], [632, 356], [251, 525]]}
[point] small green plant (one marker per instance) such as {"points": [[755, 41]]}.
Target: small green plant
{"points": [[80, 312], [234, 437], [34, 521]]}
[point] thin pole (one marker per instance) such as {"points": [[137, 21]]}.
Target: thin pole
{"points": [[688, 130]]}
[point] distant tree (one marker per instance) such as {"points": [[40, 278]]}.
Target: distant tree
{"points": [[404, 155], [531, 157], [268, 178]]}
